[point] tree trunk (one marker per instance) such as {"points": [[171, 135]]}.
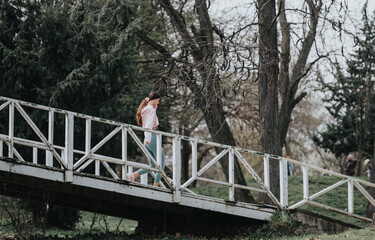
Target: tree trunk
{"points": [[289, 82], [221, 133], [268, 88], [185, 154]]}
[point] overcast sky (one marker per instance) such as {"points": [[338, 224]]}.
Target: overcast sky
{"points": [[226, 9], [234, 10], [355, 5]]}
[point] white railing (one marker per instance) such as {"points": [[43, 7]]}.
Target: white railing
{"points": [[351, 182], [64, 154], [66, 157]]}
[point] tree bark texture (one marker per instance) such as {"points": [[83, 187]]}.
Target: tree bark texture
{"points": [[268, 88]]}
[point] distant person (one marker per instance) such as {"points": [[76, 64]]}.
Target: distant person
{"points": [[350, 164], [324, 173], [290, 167], [368, 167], [146, 117]]}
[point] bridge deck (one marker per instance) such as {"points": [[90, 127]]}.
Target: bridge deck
{"points": [[120, 198]]}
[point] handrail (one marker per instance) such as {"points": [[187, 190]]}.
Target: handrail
{"points": [[64, 156]]}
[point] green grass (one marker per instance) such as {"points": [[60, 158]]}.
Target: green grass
{"points": [[336, 198], [102, 224]]}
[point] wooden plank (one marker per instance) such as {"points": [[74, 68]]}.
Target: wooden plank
{"points": [[257, 178], [214, 181], [40, 134], [18, 155], [298, 204], [188, 182], [110, 170], [365, 193], [327, 189], [96, 147], [2, 106], [250, 188], [212, 162], [339, 211]]}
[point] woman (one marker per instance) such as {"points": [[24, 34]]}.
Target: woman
{"points": [[146, 117]]}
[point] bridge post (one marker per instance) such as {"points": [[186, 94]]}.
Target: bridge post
{"points": [[35, 155], [144, 179], [49, 158], [124, 151], [88, 144], [194, 162], [177, 169], [11, 129], [305, 176], [69, 137], [231, 174], [266, 170], [350, 196], [159, 148], [130, 170], [283, 182], [1, 149]]}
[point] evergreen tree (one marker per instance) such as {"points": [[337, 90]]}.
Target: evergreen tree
{"points": [[75, 55], [80, 60], [351, 100]]}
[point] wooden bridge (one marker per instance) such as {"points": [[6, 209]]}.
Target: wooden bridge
{"points": [[58, 165]]}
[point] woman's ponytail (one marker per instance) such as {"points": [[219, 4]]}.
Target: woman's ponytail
{"points": [[138, 114]]}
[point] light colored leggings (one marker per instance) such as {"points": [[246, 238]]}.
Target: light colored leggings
{"points": [[152, 150]]}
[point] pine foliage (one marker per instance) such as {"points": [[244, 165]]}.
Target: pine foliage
{"points": [[350, 98]]}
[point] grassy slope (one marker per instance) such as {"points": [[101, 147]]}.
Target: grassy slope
{"points": [[336, 198]]}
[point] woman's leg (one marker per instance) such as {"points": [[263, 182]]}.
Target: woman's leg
{"points": [[158, 175], [151, 148]]}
